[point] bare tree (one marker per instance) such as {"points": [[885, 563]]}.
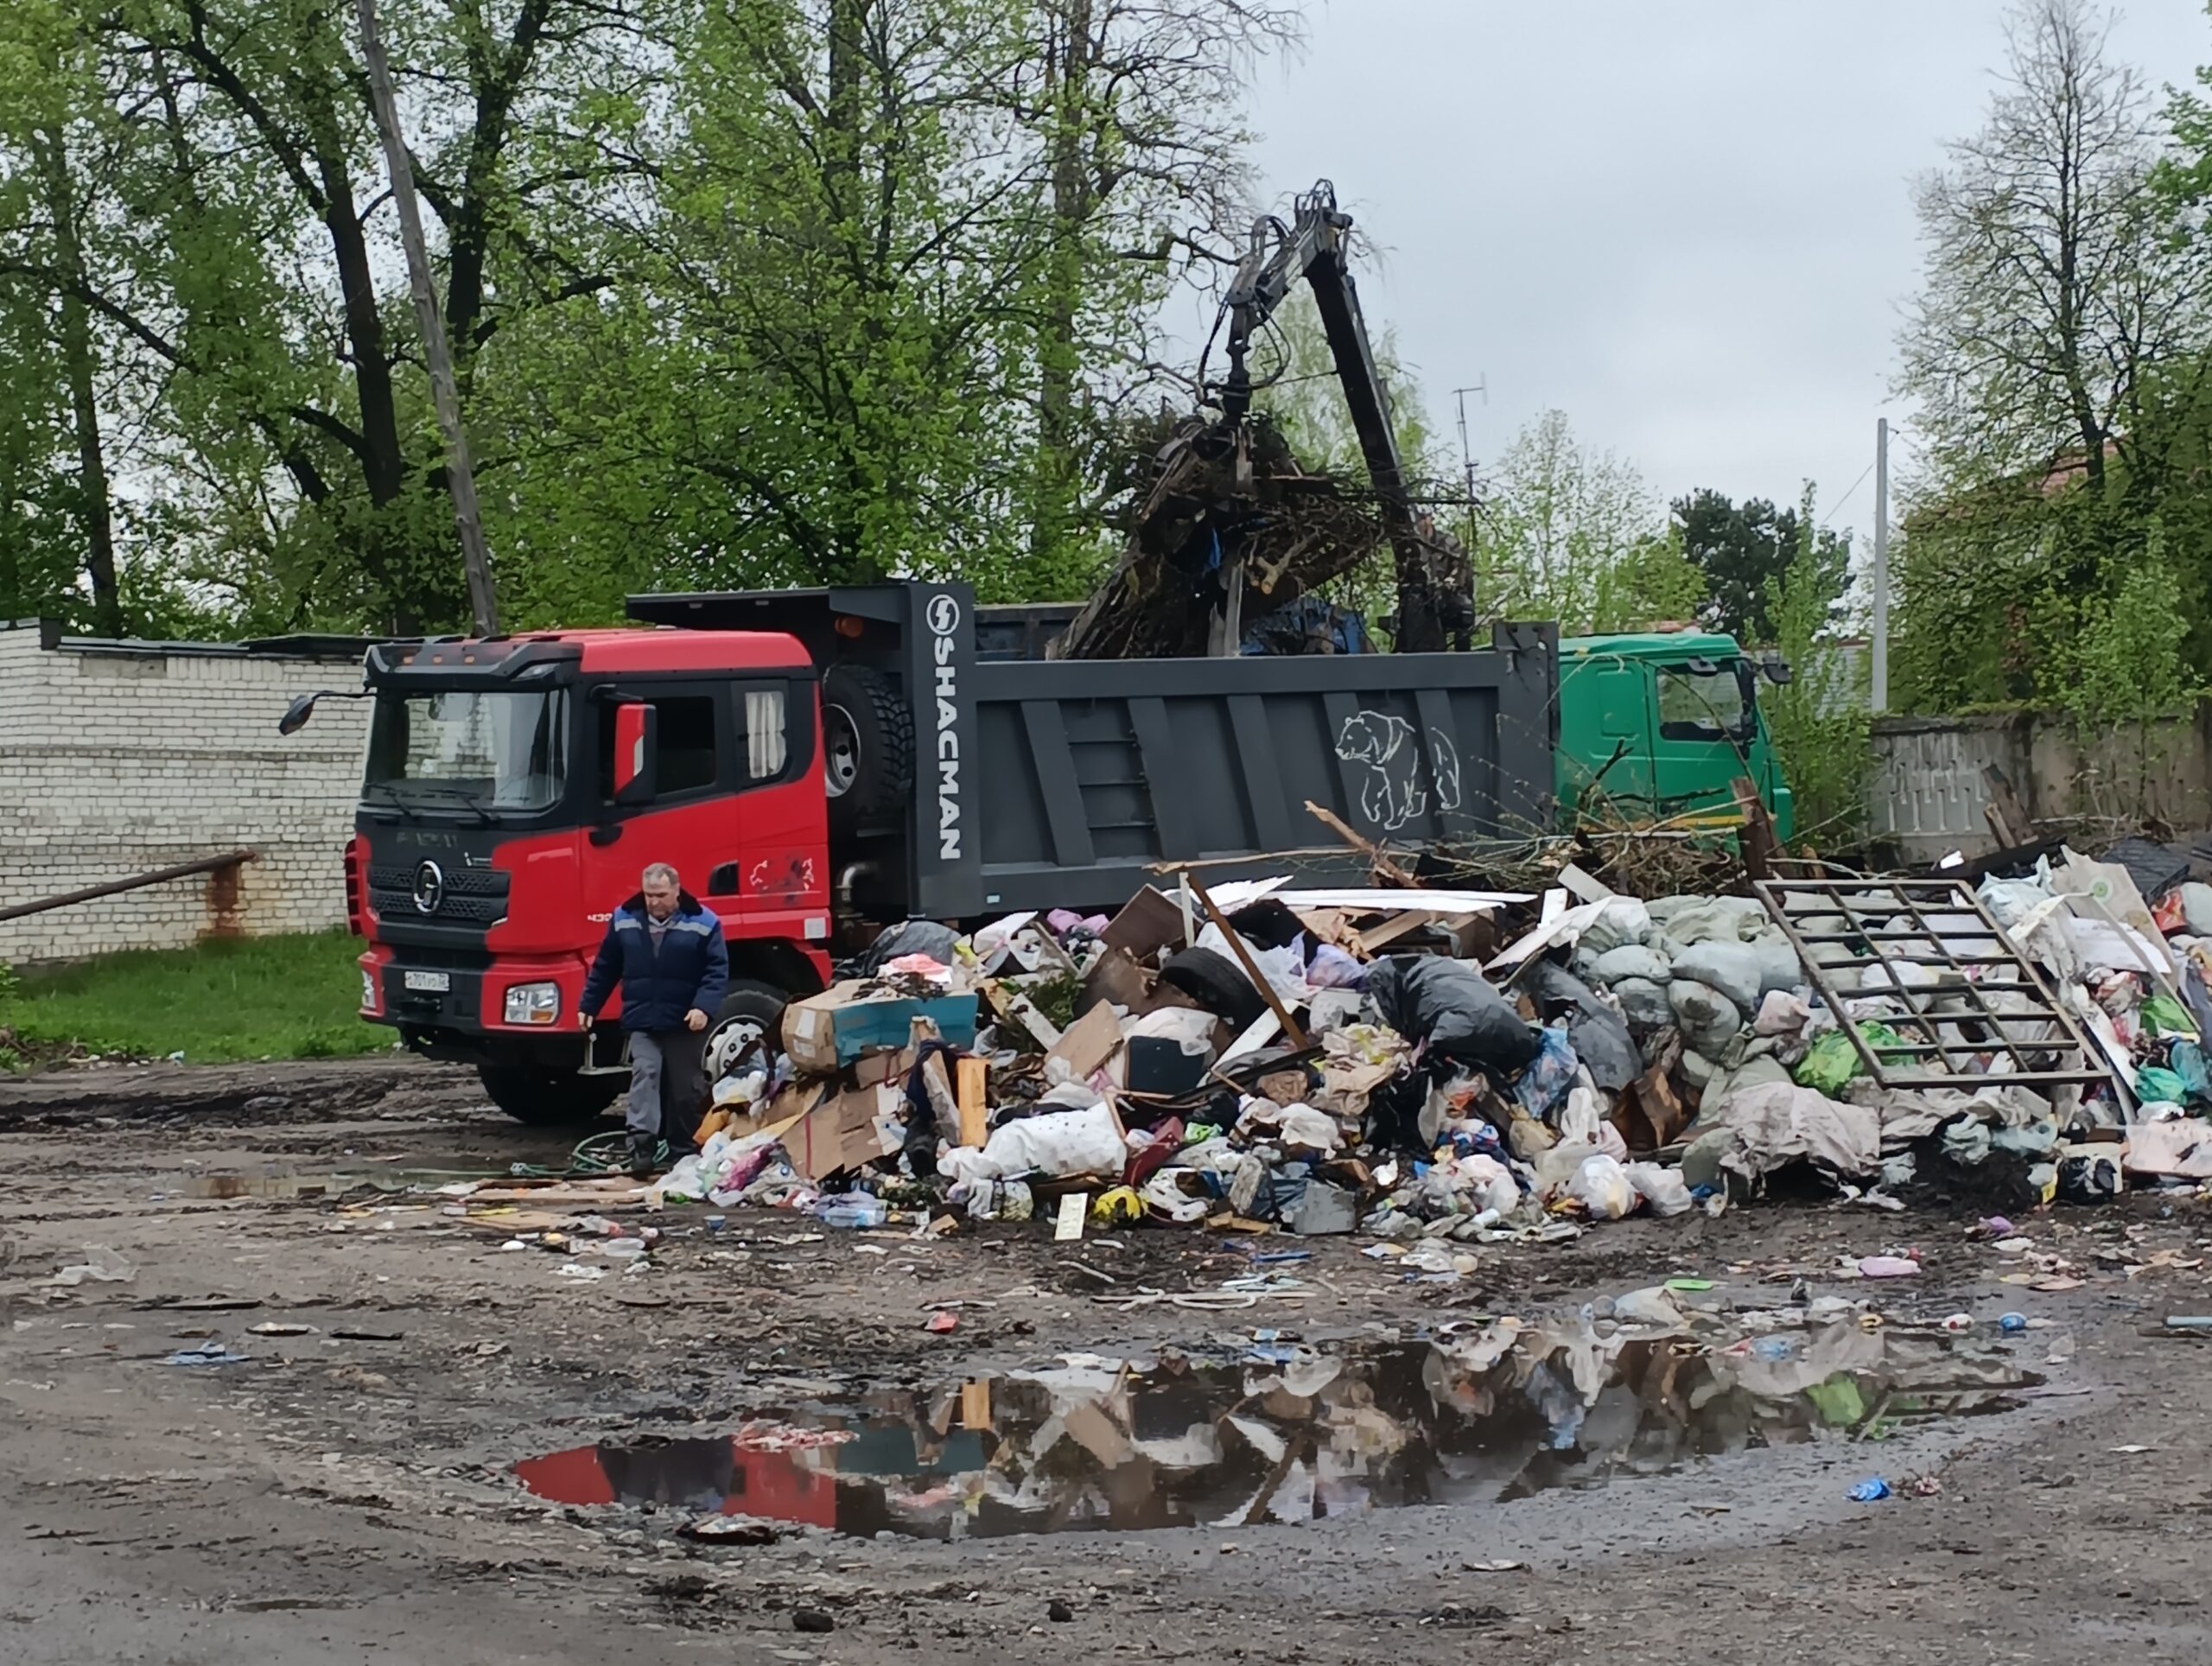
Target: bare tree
{"points": [[1137, 106], [2053, 290]]}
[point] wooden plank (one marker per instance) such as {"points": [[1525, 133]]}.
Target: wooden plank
{"points": [[1391, 930], [1291, 1030], [974, 1103]]}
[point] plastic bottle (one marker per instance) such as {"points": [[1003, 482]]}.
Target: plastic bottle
{"points": [[855, 1210]]}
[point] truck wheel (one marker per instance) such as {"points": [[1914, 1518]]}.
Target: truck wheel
{"points": [[868, 748], [750, 1012], [548, 1098]]}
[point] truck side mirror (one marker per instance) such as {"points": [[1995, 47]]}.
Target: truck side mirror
{"points": [[1779, 670], [637, 753]]}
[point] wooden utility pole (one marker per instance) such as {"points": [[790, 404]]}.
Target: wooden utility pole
{"points": [[483, 602]]}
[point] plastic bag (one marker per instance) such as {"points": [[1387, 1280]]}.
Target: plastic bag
{"points": [[1644, 1004], [1731, 968], [1828, 1065], [1622, 921], [1062, 1144], [1602, 1186], [1599, 1035], [2164, 1016], [1709, 1019], [2187, 1061], [1189, 1030], [1486, 1183], [1543, 1086], [913, 937], [1631, 960], [1782, 1014], [1448, 1005], [1333, 968], [1662, 1188], [2157, 1085]]}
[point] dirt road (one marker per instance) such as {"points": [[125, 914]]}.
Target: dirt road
{"points": [[346, 1492]]}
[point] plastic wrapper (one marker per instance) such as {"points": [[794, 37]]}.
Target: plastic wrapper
{"points": [[991, 1199], [1450, 1007], [1543, 1086], [1333, 968]]}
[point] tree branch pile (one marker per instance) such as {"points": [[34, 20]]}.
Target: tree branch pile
{"points": [[1208, 499]]}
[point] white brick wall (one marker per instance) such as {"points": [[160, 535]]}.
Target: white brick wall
{"points": [[119, 759]]}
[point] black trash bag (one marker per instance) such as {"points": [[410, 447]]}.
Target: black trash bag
{"points": [[1216, 983], [2155, 869], [1449, 1004], [1267, 924], [913, 937], [1599, 1035]]}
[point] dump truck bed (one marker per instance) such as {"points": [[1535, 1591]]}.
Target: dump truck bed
{"points": [[1072, 784]]}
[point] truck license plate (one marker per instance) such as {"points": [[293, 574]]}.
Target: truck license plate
{"points": [[430, 982]]}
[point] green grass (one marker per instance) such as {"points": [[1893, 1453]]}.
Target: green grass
{"points": [[288, 997]]}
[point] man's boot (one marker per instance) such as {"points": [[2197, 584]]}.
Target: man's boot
{"points": [[644, 1149]]}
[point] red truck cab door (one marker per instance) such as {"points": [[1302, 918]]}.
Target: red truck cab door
{"points": [[737, 808]]}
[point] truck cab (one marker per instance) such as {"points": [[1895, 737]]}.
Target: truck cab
{"points": [[1657, 728], [513, 789]]}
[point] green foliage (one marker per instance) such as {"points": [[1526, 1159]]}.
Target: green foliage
{"points": [[287, 997], [1819, 719], [773, 291], [1743, 550], [1574, 537]]}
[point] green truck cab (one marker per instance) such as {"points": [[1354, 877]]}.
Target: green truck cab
{"points": [[1656, 727]]}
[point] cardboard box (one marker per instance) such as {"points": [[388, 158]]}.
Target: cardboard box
{"points": [[842, 1131], [827, 1031]]}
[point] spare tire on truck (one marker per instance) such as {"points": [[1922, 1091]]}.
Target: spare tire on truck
{"points": [[867, 748]]}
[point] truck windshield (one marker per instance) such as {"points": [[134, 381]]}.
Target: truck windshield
{"points": [[1702, 703], [486, 751]]}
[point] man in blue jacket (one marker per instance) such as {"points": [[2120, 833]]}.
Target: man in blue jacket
{"points": [[667, 953]]}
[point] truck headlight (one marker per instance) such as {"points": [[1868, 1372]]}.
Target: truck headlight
{"points": [[533, 1003], [368, 990]]}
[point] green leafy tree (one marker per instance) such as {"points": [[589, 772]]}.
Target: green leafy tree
{"points": [[1818, 720], [1743, 550], [1576, 537]]}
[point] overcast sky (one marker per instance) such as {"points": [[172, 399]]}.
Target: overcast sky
{"points": [[1685, 223]]}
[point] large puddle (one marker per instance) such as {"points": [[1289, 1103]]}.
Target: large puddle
{"points": [[1091, 1444]]}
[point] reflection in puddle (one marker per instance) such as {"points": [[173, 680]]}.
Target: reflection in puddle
{"points": [[1095, 1444]]}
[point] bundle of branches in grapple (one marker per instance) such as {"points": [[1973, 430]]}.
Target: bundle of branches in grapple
{"points": [[1215, 502]]}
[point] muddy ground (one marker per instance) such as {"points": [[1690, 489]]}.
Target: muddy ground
{"points": [[339, 1499]]}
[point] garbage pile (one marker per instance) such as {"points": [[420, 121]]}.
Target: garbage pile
{"points": [[1430, 1068]]}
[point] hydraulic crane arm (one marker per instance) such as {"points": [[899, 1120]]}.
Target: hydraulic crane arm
{"points": [[1314, 248]]}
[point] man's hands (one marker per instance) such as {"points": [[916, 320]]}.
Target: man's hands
{"points": [[584, 1021], [694, 1020]]}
